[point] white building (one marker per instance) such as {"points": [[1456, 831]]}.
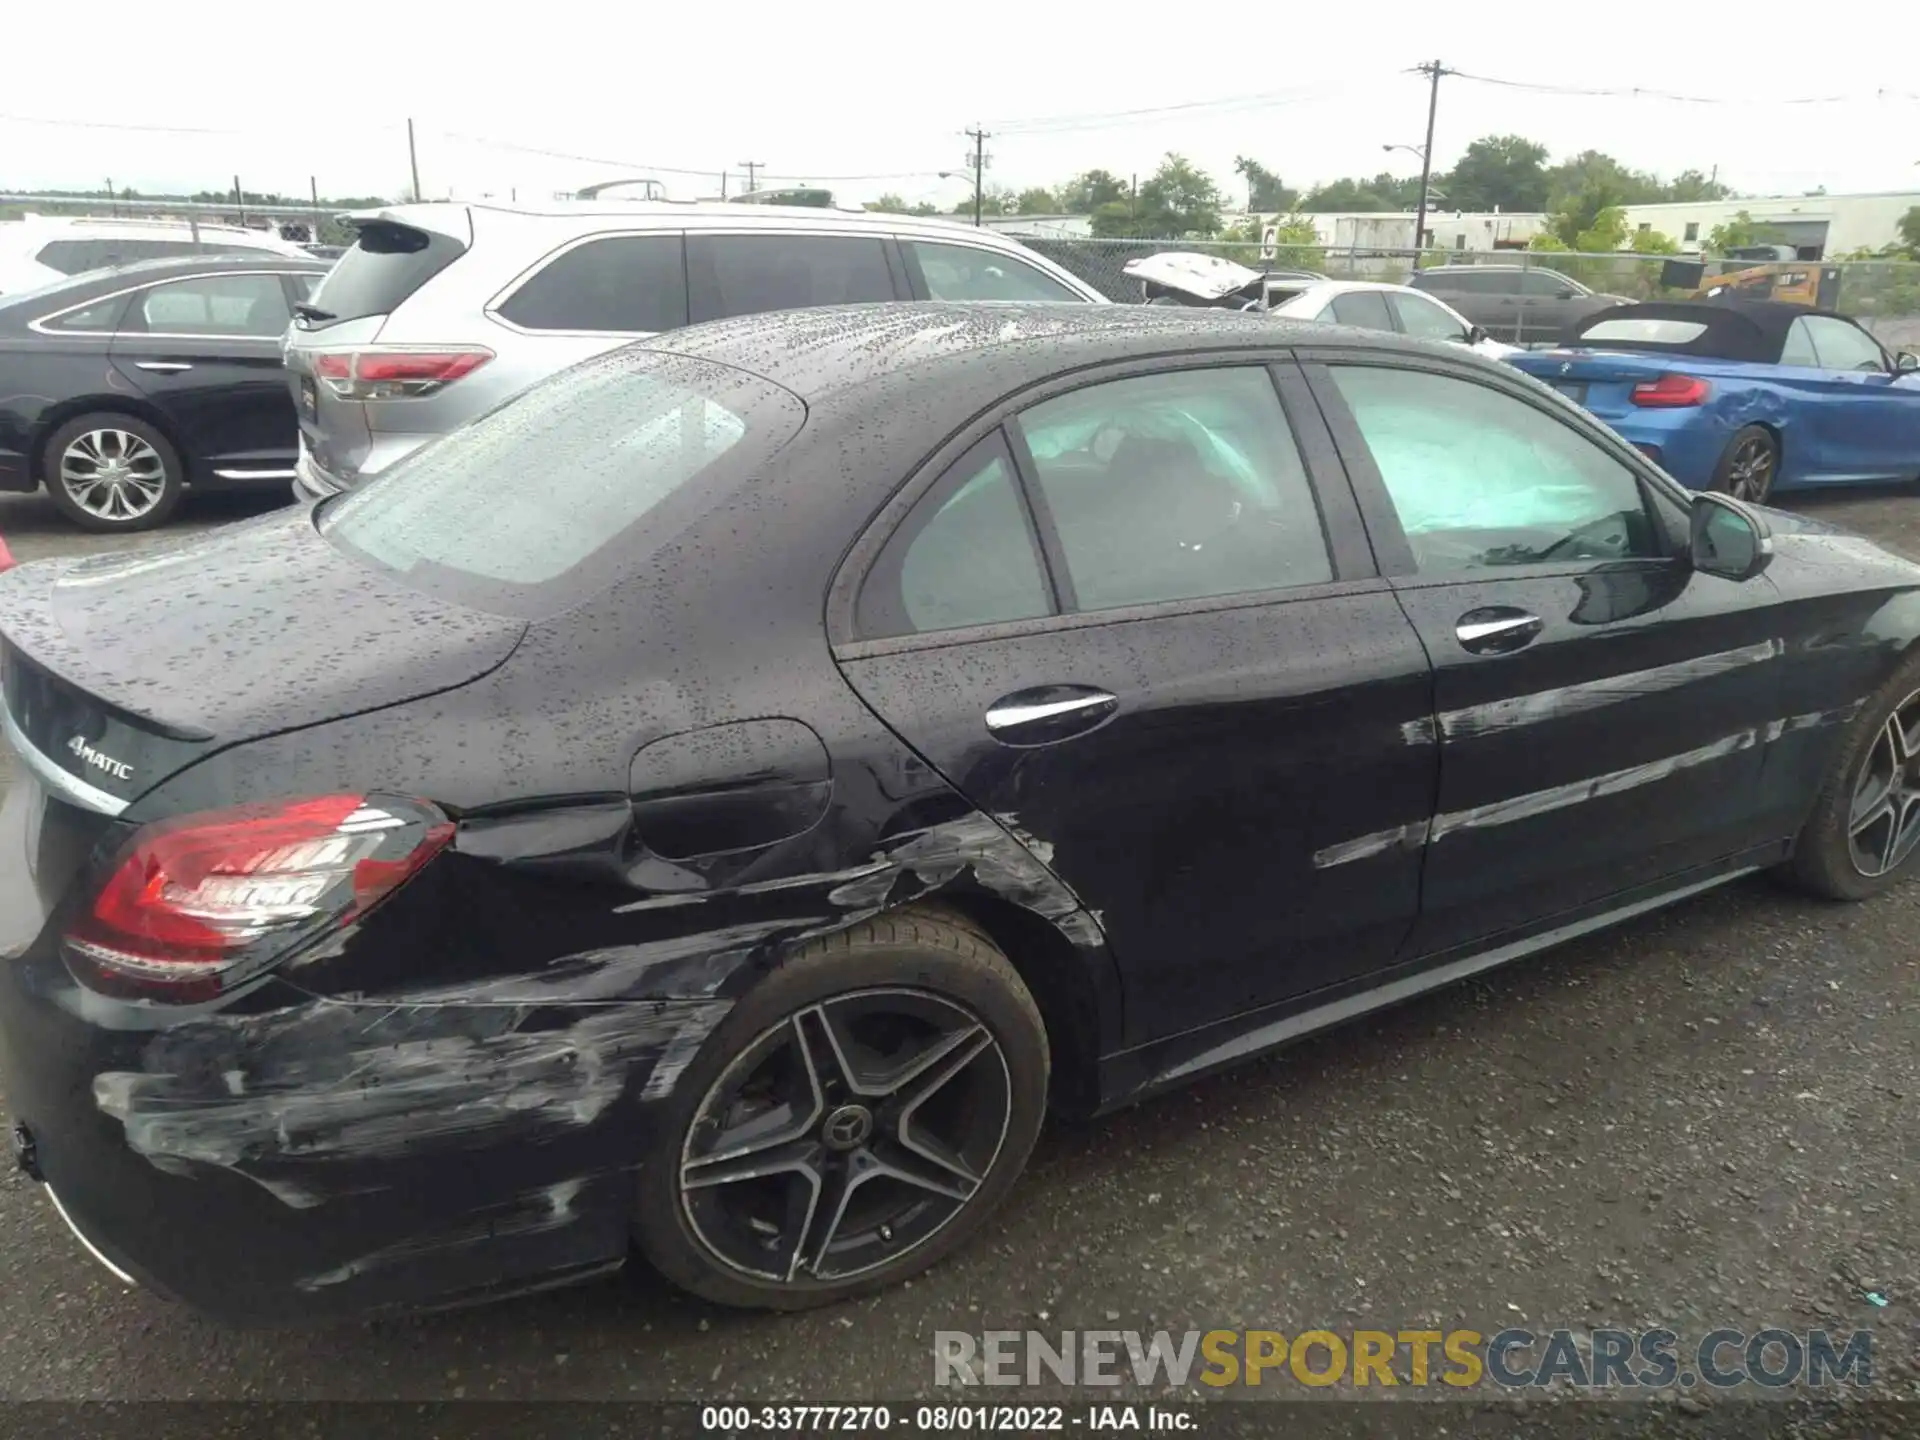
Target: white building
{"points": [[1446, 230], [1821, 227], [1046, 227]]}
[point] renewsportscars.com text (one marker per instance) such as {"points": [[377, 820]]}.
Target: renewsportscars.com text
{"points": [[1512, 1358]]}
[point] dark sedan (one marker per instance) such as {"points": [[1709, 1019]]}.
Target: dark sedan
{"points": [[120, 387], [720, 801]]}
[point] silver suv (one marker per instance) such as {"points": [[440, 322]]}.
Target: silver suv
{"points": [[440, 311]]}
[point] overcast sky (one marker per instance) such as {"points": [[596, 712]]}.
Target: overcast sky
{"points": [[822, 91]]}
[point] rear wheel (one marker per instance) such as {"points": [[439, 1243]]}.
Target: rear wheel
{"points": [[113, 472], [1865, 828], [1748, 465], [856, 1117]]}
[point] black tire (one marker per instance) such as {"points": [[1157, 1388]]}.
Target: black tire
{"points": [[146, 498], [909, 958], [1825, 855], [1749, 465]]}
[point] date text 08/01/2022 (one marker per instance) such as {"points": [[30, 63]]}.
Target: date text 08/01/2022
{"points": [[943, 1419]]}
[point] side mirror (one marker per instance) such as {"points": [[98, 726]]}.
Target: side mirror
{"points": [[1475, 334], [1727, 539], [1906, 363]]}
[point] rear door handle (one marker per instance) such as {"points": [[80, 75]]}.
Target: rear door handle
{"points": [[1046, 713], [1496, 630], [164, 366]]}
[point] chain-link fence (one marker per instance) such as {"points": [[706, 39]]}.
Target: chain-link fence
{"points": [[310, 221], [1884, 295]]}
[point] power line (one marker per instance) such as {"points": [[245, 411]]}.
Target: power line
{"points": [[702, 170], [1060, 124], [1641, 93]]}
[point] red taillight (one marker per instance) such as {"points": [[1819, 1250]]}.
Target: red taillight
{"points": [[394, 374], [6, 557], [1671, 392], [199, 903]]}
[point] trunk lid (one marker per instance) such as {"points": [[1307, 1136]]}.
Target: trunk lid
{"points": [[122, 670], [1602, 380]]}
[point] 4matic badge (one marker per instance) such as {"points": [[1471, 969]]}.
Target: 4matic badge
{"points": [[119, 769]]}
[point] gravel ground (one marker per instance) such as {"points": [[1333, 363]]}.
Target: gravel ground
{"points": [[1701, 1119]]}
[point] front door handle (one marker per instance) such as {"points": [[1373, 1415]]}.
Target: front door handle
{"points": [[1046, 713], [164, 366], [1496, 630]]}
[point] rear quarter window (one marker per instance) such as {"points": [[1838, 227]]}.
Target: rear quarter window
{"points": [[385, 265], [553, 496]]}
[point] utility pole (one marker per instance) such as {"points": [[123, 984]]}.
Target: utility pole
{"points": [[723, 184], [240, 200], [313, 194], [1433, 69], [978, 163], [113, 199], [413, 161], [753, 168]]}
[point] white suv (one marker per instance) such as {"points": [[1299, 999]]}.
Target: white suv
{"points": [[440, 311], [42, 249]]}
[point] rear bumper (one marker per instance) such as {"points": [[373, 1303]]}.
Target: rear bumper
{"points": [[256, 1196], [310, 482]]}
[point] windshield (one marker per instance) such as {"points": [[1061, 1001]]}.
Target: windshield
{"points": [[563, 489]]}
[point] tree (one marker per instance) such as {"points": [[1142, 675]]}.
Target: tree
{"points": [[1592, 173], [1265, 190], [1910, 234], [1581, 214], [994, 200], [1499, 172], [1177, 199], [889, 203], [1652, 242], [1740, 231], [1037, 201], [1344, 194], [1087, 192], [1692, 185]]}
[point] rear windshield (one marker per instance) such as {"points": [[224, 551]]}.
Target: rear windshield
{"points": [[385, 265], [1645, 331], [561, 491]]}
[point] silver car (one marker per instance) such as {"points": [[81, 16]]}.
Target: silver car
{"points": [[440, 311]]}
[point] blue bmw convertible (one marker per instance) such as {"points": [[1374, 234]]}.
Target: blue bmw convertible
{"points": [[1743, 396]]}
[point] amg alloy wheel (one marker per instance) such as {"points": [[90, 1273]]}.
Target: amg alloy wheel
{"points": [[860, 1112], [1883, 820], [846, 1136], [1864, 829]]}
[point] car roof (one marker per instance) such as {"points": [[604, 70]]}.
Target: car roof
{"points": [[958, 348], [1737, 329], [590, 214]]}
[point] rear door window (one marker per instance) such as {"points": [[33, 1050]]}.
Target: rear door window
{"points": [[242, 306], [1176, 486], [750, 274], [629, 284], [384, 266], [629, 448], [1366, 309]]}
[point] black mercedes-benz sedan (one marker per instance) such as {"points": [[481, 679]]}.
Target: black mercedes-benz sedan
{"points": [[120, 387], [716, 804]]}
